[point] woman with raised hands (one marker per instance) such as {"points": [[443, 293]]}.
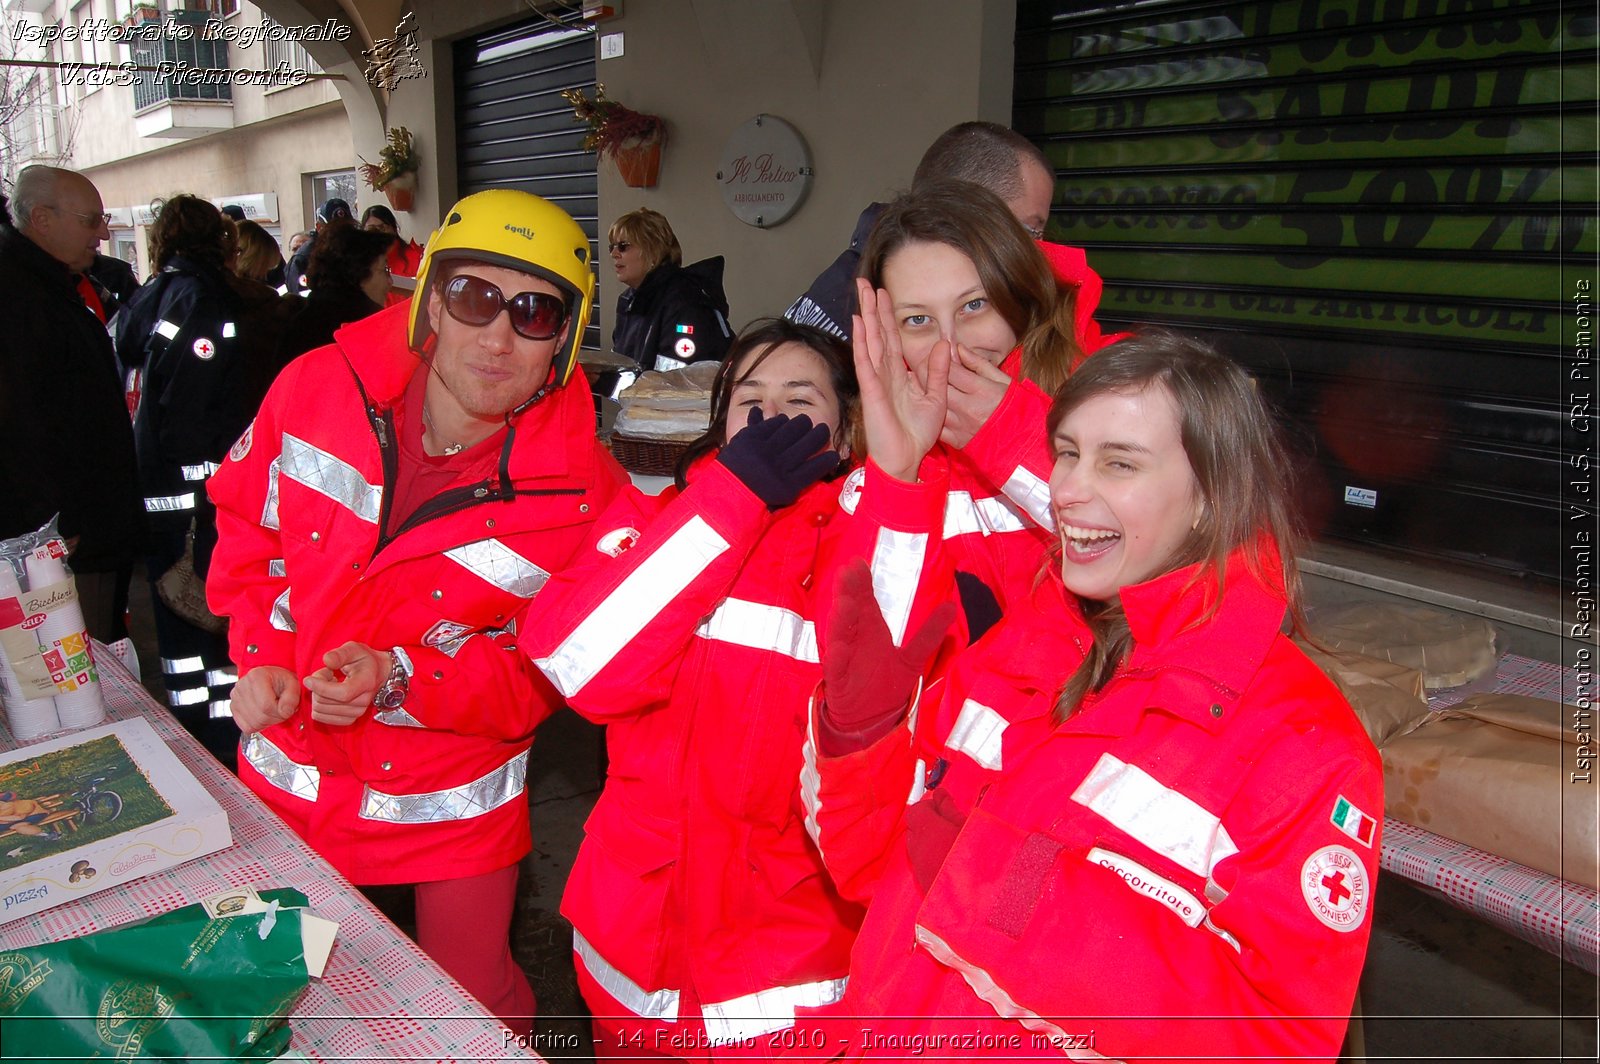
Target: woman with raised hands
{"points": [[704, 923], [1133, 819], [948, 263]]}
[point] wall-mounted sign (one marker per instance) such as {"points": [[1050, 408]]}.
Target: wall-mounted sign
{"points": [[258, 207], [765, 171]]}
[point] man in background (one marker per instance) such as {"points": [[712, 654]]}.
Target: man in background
{"points": [[333, 212], [66, 442], [984, 153]]}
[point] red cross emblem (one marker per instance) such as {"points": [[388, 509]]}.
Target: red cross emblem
{"points": [[1336, 887], [204, 349]]}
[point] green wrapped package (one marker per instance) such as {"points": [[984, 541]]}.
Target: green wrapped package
{"points": [[211, 981]]}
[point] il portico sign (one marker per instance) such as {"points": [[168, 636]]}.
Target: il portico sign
{"points": [[765, 171]]}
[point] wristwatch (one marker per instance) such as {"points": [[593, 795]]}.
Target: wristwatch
{"points": [[392, 695]]}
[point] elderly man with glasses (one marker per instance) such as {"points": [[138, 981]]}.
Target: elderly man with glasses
{"points": [[66, 445], [400, 499]]}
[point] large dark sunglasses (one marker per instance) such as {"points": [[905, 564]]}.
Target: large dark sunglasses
{"points": [[534, 315]]}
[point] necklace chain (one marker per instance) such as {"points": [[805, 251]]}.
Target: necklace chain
{"points": [[450, 449]]}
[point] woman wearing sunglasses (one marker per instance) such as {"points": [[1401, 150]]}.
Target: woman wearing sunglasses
{"points": [[703, 922], [1134, 821], [668, 314]]}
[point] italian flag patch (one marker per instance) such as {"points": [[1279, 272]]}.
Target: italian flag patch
{"points": [[1353, 822]]}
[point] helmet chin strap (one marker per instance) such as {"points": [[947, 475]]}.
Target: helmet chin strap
{"points": [[549, 386]]}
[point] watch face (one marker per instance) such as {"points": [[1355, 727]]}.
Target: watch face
{"points": [[392, 698]]}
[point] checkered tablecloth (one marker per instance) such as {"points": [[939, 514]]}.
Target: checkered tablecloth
{"points": [[381, 998], [1554, 914]]}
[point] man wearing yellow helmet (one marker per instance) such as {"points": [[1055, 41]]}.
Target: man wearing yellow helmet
{"points": [[399, 501]]}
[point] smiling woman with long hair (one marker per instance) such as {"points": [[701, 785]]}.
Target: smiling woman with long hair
{"points": [[1136, 784]]}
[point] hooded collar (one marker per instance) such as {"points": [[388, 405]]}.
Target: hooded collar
{"points": [[1071, 268], [1173, 627], [705, 277]]}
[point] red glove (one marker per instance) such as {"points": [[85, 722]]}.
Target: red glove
{"points": [[867, 680]]}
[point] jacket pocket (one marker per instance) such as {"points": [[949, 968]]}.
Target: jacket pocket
{"points": [[616, 896]]}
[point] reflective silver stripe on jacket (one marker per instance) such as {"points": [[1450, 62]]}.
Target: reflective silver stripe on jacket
{"points": [[189, 696], [269, 509], [172, 666], [275, 567], [398, 717], [765, 1011], [647, 591], [761, 627], [1170, 823], [666, 364], [165, 328], [964, 515], [651, 1004], [501, 566], [201, 471], [810, 777], [302, 781], [219, 677], [228, 331], [897, 560], [167, 503], [1032, 496], [281, 618], [998, 998], [222, 709], [328, 474], [484, 794], [979, 733]]}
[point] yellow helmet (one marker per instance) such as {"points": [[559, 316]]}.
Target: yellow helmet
{"points": [[520, 231]]}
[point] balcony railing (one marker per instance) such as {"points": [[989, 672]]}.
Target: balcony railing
{"points": [[187, 56]]}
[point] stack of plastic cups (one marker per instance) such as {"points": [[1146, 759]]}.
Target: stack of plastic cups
{"points": [[26, 718], [78, 700]]}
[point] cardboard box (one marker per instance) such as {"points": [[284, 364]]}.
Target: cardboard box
{"points": [[1494, 772], [102, 806]]}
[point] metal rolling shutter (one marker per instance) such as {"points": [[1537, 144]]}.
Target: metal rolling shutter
{"points": [[513, 129], [1385, 207]]}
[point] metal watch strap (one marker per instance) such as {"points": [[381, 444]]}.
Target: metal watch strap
{"points": [[392, 695]]}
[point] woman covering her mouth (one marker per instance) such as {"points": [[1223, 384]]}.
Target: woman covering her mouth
{"points": [[949, 266], [704, 924], [1140, 821]]}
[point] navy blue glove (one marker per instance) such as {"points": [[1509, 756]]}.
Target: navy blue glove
{"points": [[777, 458]]}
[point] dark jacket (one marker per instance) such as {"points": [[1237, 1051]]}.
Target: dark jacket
{"points": [[179, 348], [677, 315], [264, 316], [115, 277], [322, 312], [65, 442], [297, 265], [831, 299]]}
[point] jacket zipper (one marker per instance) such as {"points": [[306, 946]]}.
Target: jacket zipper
{"points": [[1153, 670], [454, 501]]}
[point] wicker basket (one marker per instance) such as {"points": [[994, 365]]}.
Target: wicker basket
{"points": [[651, 458]]}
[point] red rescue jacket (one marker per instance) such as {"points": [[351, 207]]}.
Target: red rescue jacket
{"points": [[698, 902], [1188, 861], [433, 790]]}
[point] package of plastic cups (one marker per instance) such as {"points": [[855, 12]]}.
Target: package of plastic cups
{"points": [[48, 678]]}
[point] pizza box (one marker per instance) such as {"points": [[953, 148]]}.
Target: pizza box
{"points": [[97, 808]]}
